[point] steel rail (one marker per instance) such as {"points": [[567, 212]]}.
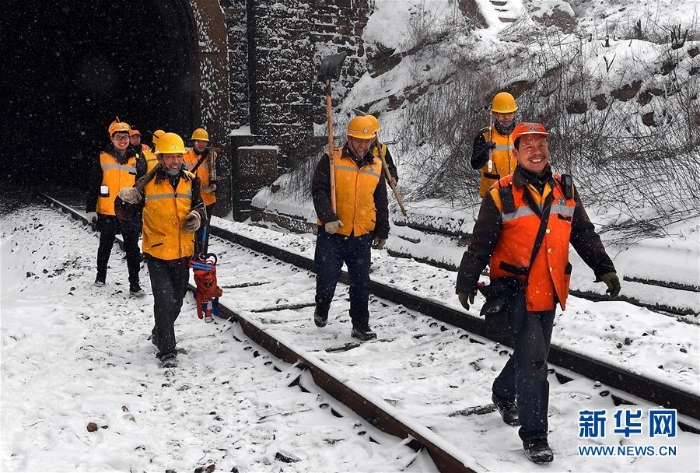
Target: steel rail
{"points": [[686, 403]]}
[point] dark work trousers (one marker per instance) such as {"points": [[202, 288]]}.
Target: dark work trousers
{"points": [[109, 226], [524, 377], [202, 241], [169, 283], [331, 252]]}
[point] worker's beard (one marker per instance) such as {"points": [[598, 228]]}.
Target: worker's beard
{"points": [[172, 172]]}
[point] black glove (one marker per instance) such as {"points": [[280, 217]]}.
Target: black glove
{"points": [[480, 151], [613, 282]]}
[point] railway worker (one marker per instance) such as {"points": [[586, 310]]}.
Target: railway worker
{"points": [[504, 236], [381, 149], [114, 169], [206, 173], [135, 141], [172, 212], [492, 151], [360, 221], [148, 158]]}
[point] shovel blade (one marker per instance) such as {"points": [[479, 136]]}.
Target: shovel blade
{"points": [[331, 66]]}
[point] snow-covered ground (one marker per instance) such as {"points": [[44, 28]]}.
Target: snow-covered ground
{"points": [[74, 354]]}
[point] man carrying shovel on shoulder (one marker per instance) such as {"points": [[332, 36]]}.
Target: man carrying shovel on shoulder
{"points": [[359, 222]]}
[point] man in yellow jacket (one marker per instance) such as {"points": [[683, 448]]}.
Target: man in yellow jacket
{"points": [[172, 212], [114, 169], [505, 236], [360, 222], [206, 173], [492, 153]]}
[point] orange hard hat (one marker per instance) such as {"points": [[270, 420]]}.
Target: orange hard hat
{"points": [[375, 121], [527, 128], [134, 132], [362, 127], [118, 125]]}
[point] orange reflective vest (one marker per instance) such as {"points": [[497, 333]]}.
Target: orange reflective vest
{"points": [[164, 215], [503, 162], [115, 176], [203, 172], [354, 190], [550, 272]]}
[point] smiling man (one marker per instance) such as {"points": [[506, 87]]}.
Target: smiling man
{"points": [[360, 222], [114, 169], [525, 224]]}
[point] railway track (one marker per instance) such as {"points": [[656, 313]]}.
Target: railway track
{"points": [[269, 291]]}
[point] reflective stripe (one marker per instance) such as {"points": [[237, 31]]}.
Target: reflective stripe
{"points": [[120, 167], [503, 148], [369, 171], [363, 170], [521, 212], [169, 196], [563, 210], [525, 211]]}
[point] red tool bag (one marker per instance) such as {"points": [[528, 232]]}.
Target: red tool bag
{"points": [[207, 292]]}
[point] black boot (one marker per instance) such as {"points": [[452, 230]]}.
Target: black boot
{"points": [[507, 409], [538, 451], [361, 330], [321, 314]]}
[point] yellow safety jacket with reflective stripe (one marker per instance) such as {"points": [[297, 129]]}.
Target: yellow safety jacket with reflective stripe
{"points": [[502, 158], [550, 272], [164, 215], [115, 176], [354, 190], [203, 172], [151, 159]]}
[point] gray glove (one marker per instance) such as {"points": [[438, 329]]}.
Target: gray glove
{"points": [[466, 299], [130, 195], [192, 222], [333, 227], [613, 282], [378, 243], [91, 216], [209, 189]]}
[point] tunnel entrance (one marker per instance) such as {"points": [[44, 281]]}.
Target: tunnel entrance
{"points": [[76, 65]]}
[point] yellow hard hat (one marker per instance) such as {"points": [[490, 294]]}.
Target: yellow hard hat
{"points": [[170, 143], [362, 128], [375, 122], [157, 134], [200, 134], [503, 102], [118, 125]]}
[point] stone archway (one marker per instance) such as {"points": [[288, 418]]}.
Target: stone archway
{"points": [[212, 58], [212, 92]]}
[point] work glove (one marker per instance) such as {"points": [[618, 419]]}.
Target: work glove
{"points": [[467, 297], [333, 227], [130, 195], [209, 189], [378, 243], [490, 145], [613, 282], [192, 222], [91, 216]]}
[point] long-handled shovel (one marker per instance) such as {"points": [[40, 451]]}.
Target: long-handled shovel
{"points": [[399, 200], [330, 70]]}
